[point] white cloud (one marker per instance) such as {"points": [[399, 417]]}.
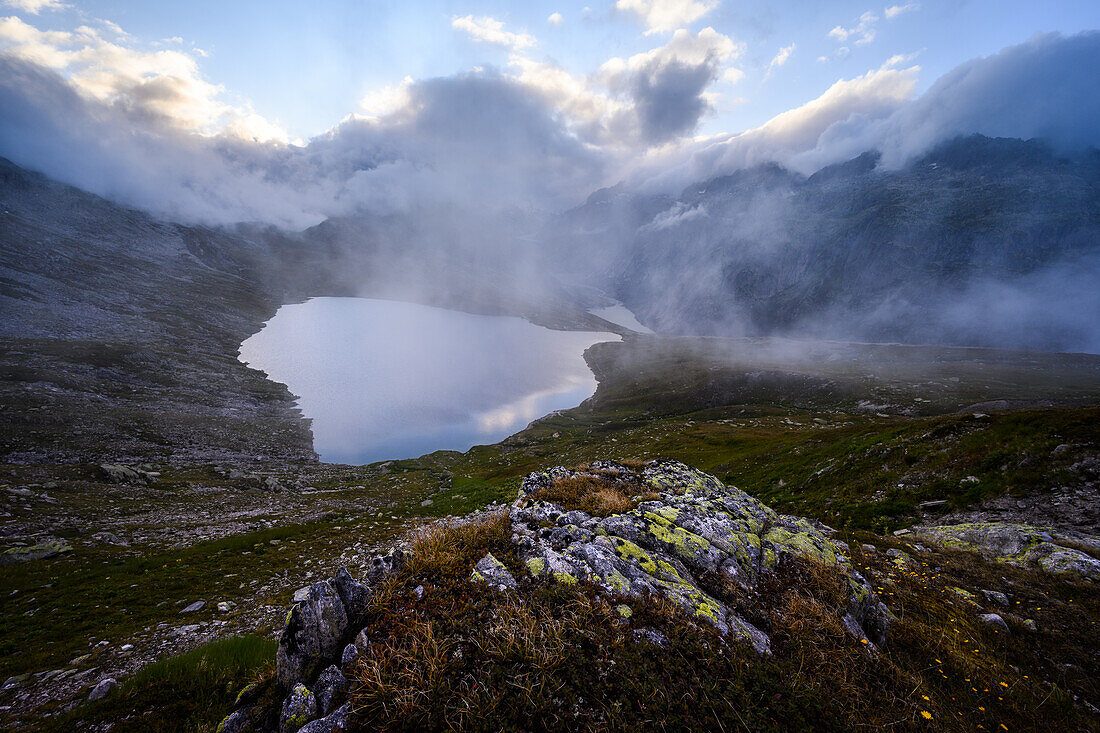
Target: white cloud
{"points": [[678, 214], [555, 19], [635, 101], [801, 138], [490, 30], [388, 100], [782, 56], [860, 34], [733, 75], [684, 47], [661, 16], [895, 10], [163, 86], [34, 7], [899, 58]]}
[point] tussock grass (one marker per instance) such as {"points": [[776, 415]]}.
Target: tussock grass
{"points": [[600, 495]]}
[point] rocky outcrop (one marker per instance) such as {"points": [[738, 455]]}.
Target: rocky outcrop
{"points": [[684, 529], [39, 551], [695, 526], [492, 571], [1019, 544]]}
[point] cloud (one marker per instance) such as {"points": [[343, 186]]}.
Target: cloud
{"points": [[147, 129], [733, 75], [387, 100], [490, 30], [34, 7], [860, 34], [667, 85], [678, 214], [555, 19], [900, 58], [477, 141], [645, 99], [792, 138], [163, 86], [895, 10], [662, 16], [781, 57], [1043, 88]]}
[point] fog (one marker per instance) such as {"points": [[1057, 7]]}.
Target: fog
{"points": [[454, 192]]}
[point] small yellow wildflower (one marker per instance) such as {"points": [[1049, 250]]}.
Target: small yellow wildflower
{"points": [[926, 715]]}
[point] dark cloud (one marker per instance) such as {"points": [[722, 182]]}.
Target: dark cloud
{"points": [[669, 98]]}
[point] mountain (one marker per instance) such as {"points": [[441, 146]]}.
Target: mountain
{"points": [[982, 241], [120, 332]]}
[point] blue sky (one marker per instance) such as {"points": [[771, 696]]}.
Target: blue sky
{"points": [[307, 65]]}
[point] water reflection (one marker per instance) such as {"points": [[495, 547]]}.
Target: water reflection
{"points": [[384, 379]]}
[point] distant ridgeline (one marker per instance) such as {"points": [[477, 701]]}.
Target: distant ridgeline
{"points": [[990, 242]]}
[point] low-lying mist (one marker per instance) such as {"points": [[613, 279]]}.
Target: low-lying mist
{"points": [[456, 198]]}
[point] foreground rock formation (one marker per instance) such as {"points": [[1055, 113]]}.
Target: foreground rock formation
{"points": [[678, 533], [692, 526], [1019, 544]]}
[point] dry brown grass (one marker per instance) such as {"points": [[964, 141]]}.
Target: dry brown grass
{"points": [[448, 549], [595, 495]]}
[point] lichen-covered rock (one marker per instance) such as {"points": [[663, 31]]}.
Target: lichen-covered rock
{"points": [[336, 721], [299, 707], [491, 571], [653, 637], [119, 474], [313, 635], [40, 551], [236, 722], [697, 525], [1018, 544], [385, 564], [328, 689]]}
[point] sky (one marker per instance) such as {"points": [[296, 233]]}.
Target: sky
{"points": [[307, 66], [291, 112]]}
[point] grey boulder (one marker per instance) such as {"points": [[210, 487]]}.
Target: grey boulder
{"points": [[336, 721], [314, 632], [299, 707]]}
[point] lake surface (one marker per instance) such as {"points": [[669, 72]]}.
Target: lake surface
{"points": [[384, 380], [621, 315]]}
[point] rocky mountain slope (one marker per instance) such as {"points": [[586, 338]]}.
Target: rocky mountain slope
{"points": [[120, 332], [982, 241]]}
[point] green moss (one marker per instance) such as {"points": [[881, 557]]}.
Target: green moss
{"points": [[536, 566]]}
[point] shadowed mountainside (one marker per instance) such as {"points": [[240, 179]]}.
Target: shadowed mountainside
{"points": [[983, 242]]}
